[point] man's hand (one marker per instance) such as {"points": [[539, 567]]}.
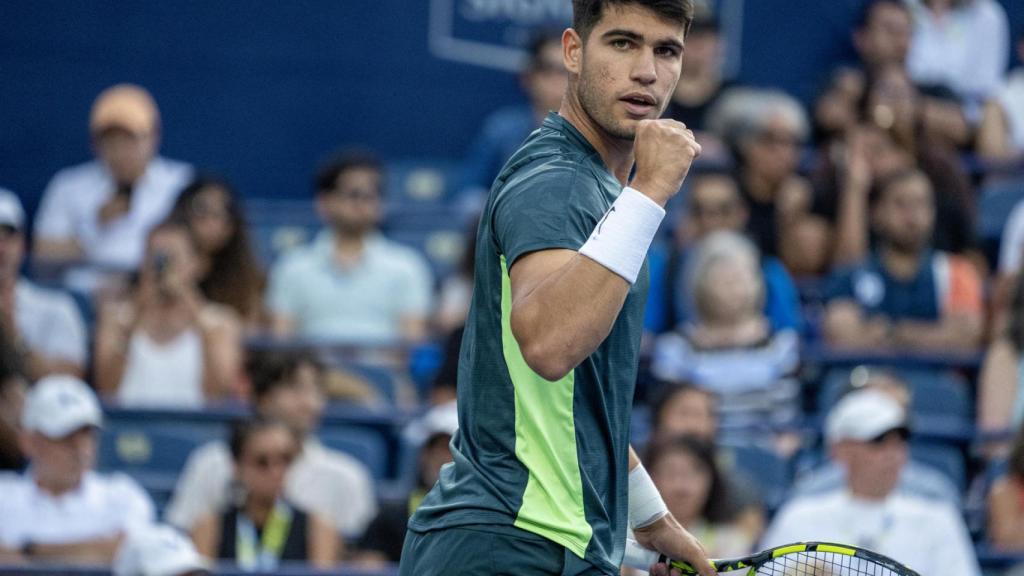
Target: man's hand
{"points": [[664, 150], [119, 205], [668, 537]]}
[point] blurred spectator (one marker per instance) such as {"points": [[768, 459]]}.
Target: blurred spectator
{"points": [[866, 433], [962, 44], [385, 535], [916, 479], [1006, 502], [103, 210], [1000, 398], [544, 80], [262, 528], [704, 84], [33, 316], [714, 204], [352, 285], [287, 386], [167, 345], [682, 409], [457, 289], [764, 130], [1001, 133], [228, 272], [60, 511], [13, 387], [906, 296], [692, 484], [729, 346], [159, 550]]}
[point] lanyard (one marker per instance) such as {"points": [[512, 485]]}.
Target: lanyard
{"points": [[275, 534]]}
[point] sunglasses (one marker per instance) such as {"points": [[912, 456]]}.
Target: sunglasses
{"points": [[902, 433]]}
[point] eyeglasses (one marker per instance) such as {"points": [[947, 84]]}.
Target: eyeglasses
{"points": [[775, 138], [357, 194], [268, 460]]}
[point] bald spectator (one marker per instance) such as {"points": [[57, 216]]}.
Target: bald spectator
{"points": [[101, 211], [44, 325], [60, 510]]}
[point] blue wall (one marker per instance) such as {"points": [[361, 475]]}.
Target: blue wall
{"points": [[260, 89]]}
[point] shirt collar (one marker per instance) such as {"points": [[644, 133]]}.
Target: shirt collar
{"points": [[323, 246]]}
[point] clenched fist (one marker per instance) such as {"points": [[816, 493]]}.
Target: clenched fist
{"points": [[664, 150]]}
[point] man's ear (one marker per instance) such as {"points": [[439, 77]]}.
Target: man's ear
{"points": [[572, 51]]}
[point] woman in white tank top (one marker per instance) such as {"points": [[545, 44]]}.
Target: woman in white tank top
{"points": [[168, 346]]}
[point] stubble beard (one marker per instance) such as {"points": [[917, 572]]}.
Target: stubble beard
{"points": [[590, 100]]}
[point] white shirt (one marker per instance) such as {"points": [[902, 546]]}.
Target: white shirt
{"points": [[322, 481], [163, 374], [1011, 245], [71, 204], [363, 303], [926, 535], [102, 506], [967, 50], [1011, 99], [50, 323]]}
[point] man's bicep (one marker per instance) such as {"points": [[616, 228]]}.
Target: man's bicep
{"points": [[532, 269]]}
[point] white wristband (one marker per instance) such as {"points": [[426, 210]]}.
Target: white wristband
{"points": [[645, 504], [620, 240]]}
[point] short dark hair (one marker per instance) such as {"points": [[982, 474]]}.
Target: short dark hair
{"points": [[351, 159], [244, 429], [587, 13], [868, 11], [269, 370]]}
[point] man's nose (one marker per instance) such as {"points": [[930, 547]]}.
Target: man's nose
{"points": [[644, 70]]}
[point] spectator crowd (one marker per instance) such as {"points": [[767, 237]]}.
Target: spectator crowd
{"points": [[832, 349]]}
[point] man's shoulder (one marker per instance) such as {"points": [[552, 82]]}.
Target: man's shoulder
{"points": [[211, 454], [13, 485], [812, 505], [169, 168], [397, 255], [299, 260], [331, 461], [44, 299], [73, 177]]}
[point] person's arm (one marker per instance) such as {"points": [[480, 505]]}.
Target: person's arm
{"points": [[846, 326], [10, 557], [206, 535], [222, 351], [954, 332], [54, 230], [96, 551], [997, 386], [281, 301], [665, 534], [993, 142], [564, 303], [851, 244], [113, 336], [325, 547], [1005, 520]]}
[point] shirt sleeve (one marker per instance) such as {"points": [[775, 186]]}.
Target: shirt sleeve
{"points": [[201, 486], [282, 297], [55, 219], [964, 295], [67, 321], [542, 210], [953, 552], [783, 300], [134, 504]]}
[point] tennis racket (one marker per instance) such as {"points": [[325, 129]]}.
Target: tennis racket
{"points": [[800, 559]]}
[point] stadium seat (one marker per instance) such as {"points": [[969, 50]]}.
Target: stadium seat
{"points": [[996, 200], [421, 180], [933, 392], [771, 473], [364, 444], [943, 457], [276, 226]]}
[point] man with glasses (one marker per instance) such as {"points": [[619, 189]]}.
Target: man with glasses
{"points": [[351, 285], [45, 326], [867, 435]]}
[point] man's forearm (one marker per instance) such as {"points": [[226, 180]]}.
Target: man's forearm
{"points": [[98, 551], [57, 249], [956, 332]]}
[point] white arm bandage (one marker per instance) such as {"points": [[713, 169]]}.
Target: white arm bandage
{"points": [[620, 240], [645, 504]]}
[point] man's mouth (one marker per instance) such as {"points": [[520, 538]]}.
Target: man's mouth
{"points": [[639, 104]]}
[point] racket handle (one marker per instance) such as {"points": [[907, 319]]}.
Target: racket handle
{"points": [[639, 557]]}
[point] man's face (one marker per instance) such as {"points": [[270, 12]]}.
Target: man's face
{"points": [[12, 251], [714, 205], [299, 403], [626, 69], [905, 214], [353, 207], [126, 154], [64, 461], [885, 38], [547, 80], [873, 468], [688, 413], [703, 52], [773, 152]]}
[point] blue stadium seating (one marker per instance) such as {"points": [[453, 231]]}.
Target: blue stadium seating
{"points": [[933, 392], [364, 444], [772, 473], [996, 200], [944, 457]]}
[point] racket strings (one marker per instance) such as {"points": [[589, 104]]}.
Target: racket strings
{"points": [[822, 564]]}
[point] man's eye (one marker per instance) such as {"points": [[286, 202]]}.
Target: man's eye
{"points": [[666, 51], [620, 44]]}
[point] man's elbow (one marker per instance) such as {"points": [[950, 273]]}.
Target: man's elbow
{"points": [[543, 361]]}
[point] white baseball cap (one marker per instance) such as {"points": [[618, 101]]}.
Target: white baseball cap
{"points": [[864, 415], [11, 212], [157, 550], [58, 405], [441, 419]]}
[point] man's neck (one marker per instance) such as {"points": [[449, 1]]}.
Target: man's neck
{"points": [[616, 153], [348, 247], [900, 264], [56, 488], [258, 510]]}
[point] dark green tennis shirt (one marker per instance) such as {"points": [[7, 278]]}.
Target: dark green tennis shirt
{"points": [[548, 457]]}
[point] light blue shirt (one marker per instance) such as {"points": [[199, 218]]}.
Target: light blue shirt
{"points": [[360, 304]]}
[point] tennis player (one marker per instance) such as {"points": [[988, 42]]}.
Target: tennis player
{"points": [[544, 481]]}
